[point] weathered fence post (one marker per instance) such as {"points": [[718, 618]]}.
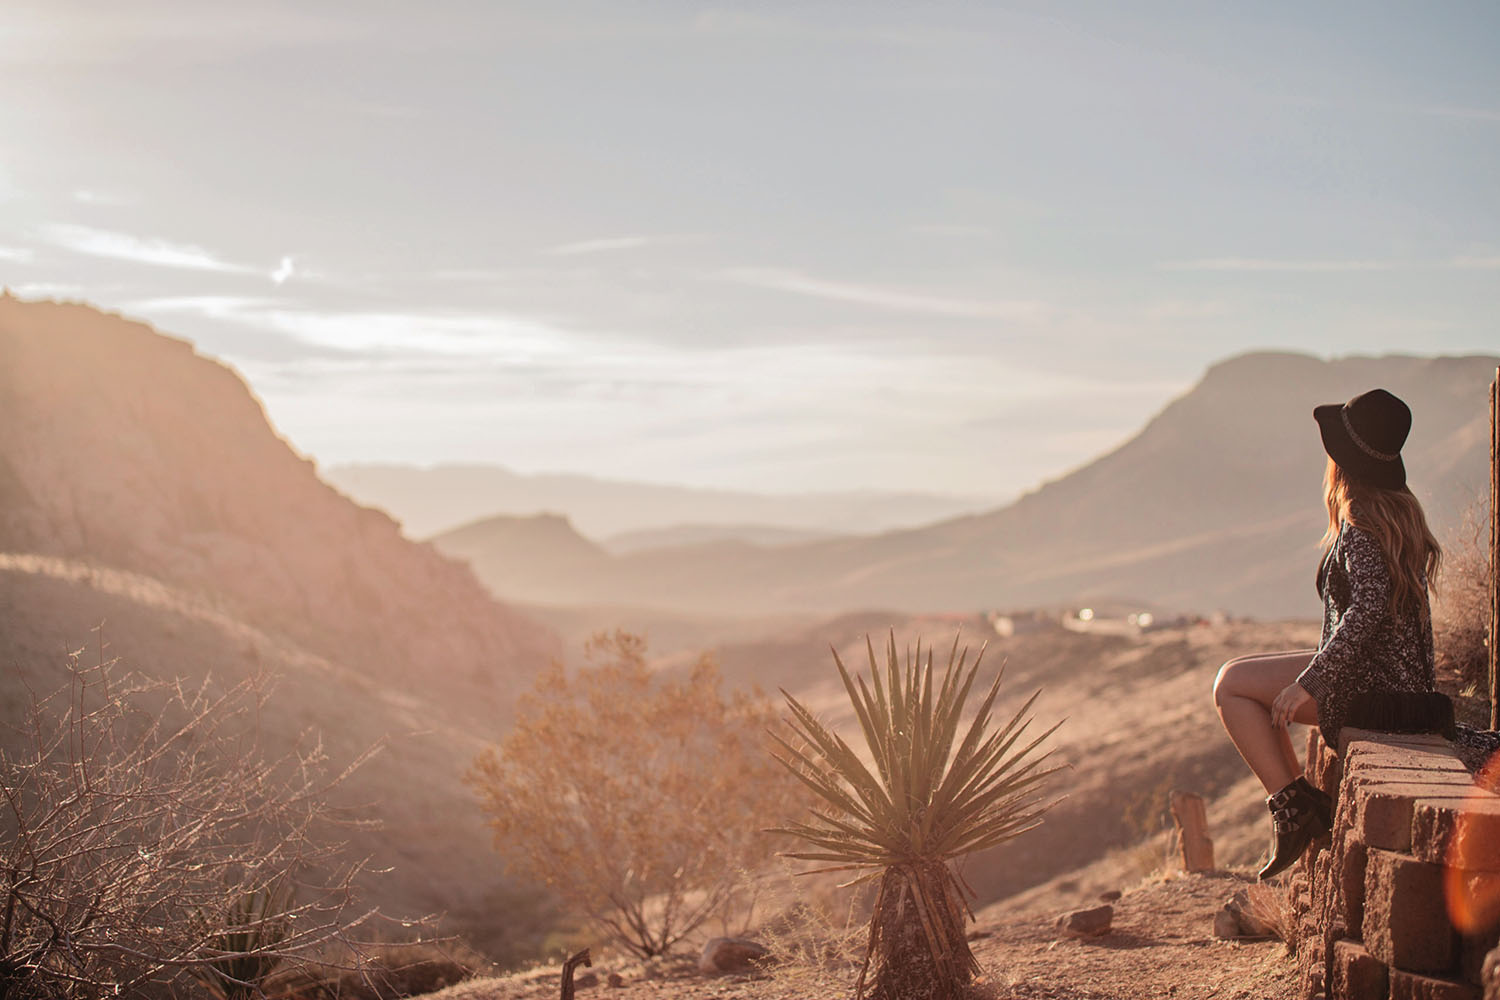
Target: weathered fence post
{"points": [[1495, 551], [1191, 817]]}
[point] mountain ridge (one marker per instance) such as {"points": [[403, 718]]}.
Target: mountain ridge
{"points": [[431, 500], [1215, 503]]}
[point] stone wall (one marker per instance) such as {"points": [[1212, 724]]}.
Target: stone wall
{"points": [[1402, 901]]}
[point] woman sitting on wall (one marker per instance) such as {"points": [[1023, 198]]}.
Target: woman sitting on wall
{"points": [[1378, 556]]}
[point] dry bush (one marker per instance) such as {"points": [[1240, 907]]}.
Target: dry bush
{"points": [[816, 929], [1461, 612], [637, 798], [1271, 905], [137, 818]]}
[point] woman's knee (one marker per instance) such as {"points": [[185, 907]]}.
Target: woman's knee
{"points": [[1224, 683]]}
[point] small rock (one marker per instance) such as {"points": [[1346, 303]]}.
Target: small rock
{"points": [[1110, 896], [730, 955], [1226, 925], [585, 980], [1086, 923], [614, 980], [980, 935]]}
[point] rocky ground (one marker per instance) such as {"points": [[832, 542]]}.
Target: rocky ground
{"points": [[1161, 944]]}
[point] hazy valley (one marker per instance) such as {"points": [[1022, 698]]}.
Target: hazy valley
{"points": [[160, 506]]}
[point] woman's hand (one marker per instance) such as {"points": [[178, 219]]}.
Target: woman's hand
{"points": [[1288, 703]]}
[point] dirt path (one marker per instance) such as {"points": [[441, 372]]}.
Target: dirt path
{"points": [[1161, 946]]}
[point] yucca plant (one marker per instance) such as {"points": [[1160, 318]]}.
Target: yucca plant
{"points": [[255, 924], [925, 804]]}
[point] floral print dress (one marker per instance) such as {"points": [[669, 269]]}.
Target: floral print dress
{"points": [[1365, 648]]}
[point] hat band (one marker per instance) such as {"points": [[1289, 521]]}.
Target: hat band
{"points": [[1360, 443]]}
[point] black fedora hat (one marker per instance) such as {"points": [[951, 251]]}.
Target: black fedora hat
{"points": [[1364, 436]]}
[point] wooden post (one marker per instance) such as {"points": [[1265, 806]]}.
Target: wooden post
{"points": [[1191, 817], [1495, 551], [568, 968]]}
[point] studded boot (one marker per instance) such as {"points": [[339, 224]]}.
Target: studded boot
{"points": [[1298, 816]]}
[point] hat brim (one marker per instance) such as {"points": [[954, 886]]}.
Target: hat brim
{"points": [[1342, 449]]}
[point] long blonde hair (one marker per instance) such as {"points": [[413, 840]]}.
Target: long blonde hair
{"points": [[1395, 519]]}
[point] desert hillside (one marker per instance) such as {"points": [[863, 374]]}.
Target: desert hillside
{"points": [[142, 489], [1213, 504], [125, 448], [1136, 712], [428, 853]]}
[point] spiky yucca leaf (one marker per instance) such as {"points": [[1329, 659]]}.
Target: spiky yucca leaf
{"points": [[255, 924], [926, 799], [925, 803]]}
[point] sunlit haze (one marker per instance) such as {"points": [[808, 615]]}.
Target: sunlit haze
{"points": [[948, 247]]}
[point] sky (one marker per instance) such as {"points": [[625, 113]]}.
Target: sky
{"points": [[954, 247]]}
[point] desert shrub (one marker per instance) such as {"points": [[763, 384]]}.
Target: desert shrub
{"points": [[637, 798], [926, 803], [1271, 905], [815, 929], [1461, 611], [137, 819]]}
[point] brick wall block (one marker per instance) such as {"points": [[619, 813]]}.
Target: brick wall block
{"points": [[1383, 814], [1352, 876], [1462, 832], [1354, 735], [1474, 902], [1411, 986], [1356, 974], [1405, 918]]}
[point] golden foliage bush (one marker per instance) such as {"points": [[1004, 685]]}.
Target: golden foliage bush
{"points": [[638, 798]]}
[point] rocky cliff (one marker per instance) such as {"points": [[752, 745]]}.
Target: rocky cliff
{"points": [[124, 448]]}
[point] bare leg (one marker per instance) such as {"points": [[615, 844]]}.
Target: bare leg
{"points": [[1243, 693], [1284, 737]]}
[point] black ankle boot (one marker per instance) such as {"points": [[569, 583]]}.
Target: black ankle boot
{"points": [[1298, 816], [1320, 798]]}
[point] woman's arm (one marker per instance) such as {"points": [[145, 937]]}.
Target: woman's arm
{"points": [[1337, 663]]}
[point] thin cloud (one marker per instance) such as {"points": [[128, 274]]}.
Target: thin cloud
{"points": [[215, 306], [610, 243], [1451, 111], [1269, 264], [877, 297], [89, 196], [17, 255], [56, 290], [1461, 263], [952, 229], [376, 332], [123, 246]]}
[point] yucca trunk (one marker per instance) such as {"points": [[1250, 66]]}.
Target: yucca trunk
{"points": [[918, 949]]}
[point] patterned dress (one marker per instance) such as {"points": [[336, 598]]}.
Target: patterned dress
{"points": [[1364, 648]]}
